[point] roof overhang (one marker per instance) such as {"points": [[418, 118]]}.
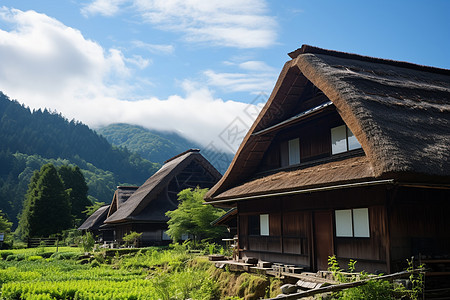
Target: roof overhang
{"points": [[306, 190]]}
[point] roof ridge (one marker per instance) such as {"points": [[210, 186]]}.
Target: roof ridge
{"points": [[305, 49], [181, 154]]}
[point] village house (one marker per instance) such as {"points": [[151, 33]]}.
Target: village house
{"points": [[97, 219], [350, 156], [143, 209]]}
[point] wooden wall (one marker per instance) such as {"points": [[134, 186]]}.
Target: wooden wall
{"points": [[419, 224], [314, 136], [291, 238]]}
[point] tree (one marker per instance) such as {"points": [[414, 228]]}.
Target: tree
{"points": [[93, 208], [77, 188], [132, 238], [193, 217], [46, 208]]}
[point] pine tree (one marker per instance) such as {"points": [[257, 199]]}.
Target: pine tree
{"points": [[46, 208], [77, 188]]}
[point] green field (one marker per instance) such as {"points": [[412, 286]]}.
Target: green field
{"points": [[149, 273]]}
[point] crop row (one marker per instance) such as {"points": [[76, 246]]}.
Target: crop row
{"points": [[80, 289]]}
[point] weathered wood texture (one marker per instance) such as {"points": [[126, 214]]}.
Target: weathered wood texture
{"points": [[291, 238], [344, 286], [315, 141], [419, 224]]}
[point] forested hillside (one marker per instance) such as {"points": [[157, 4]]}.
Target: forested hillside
{"points": [[29, 139], [158, 146]]}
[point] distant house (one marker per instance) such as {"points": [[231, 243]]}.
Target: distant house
{"points": [[94, 221], [350, 156], [97, 219], [145, 209]]}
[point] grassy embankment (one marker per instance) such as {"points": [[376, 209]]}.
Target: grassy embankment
{"points": [[149, 273]]}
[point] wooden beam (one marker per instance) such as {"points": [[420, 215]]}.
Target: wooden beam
{"points": [[343, 286]]}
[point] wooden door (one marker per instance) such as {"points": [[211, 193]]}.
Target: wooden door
{"points": [[323, 238]]}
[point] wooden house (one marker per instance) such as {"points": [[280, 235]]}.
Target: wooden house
{"points": [[145, 210], [95, 222], [350, 156]]}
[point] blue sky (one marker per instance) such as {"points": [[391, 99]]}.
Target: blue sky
{"points": [[195, 67]]}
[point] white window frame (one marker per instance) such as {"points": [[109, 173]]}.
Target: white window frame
{"points": [[352, 222], [341, 143], [264, 224], [294, 151]]}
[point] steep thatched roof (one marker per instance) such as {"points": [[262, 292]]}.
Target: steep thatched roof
{"points": [[121, 195], [96, 219], [157, 195], [398, 111]]}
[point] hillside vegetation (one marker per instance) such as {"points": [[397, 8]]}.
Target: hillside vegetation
{"points": [[149, 273], [159, 146], [30, 139]]}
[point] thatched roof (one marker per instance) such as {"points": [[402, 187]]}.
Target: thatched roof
{"points": [[96, 219], [398, 111], [121, 195], [157, 195]]}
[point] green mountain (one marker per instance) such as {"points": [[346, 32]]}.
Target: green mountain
{"points": [[158, 146], [29, 139]]}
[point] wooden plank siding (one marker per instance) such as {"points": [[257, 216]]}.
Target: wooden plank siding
{"points": [[292, 238], [315, 141], [419, 224]]}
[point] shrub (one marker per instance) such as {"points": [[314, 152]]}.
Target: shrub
{"points": [[87, 242], [5, 254], [65, 255], [372, 289], [34, 257]]}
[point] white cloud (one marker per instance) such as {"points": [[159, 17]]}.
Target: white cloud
{"points": [[103, 7], [154, 48], [259, 77], [46, 64], [254, 65], [231, 23]]}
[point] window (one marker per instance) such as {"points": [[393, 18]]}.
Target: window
{"points": [[258, 225], [264, 224], [342, 140], [294, 151], [352, 222], [165, 236]]}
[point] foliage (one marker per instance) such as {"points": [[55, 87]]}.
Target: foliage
{"points": [[157, 146], [46, 208], [194, 218], [5, 228], [87, 242], [74, 182], [132, 238], [417, 282], [373, 289], [150, 273], [31, 139], [93, 208]]}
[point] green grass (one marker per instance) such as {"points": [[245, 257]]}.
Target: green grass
{"points": [[146, 274], [34, 251], [149, 273]]}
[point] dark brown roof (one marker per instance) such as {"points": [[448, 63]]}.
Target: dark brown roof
{"points": [[150, 201], [335, 172], [96, 219], [226, 217], [121, 195], [398, 111]]}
